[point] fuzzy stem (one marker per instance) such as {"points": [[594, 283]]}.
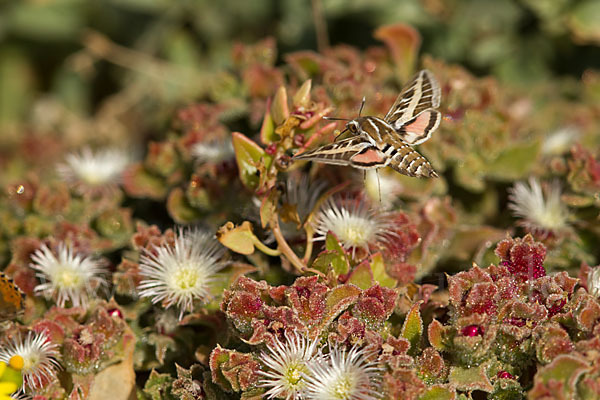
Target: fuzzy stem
{"points": [[284, 247], [264, 248], [309, 244]]}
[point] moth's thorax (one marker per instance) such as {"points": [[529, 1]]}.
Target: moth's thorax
{"points": [[371, 128]]}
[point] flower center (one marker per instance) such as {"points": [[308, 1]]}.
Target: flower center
{"points": [[551, 217], [343, 388], [294, 375], [355, 231], [186, 277], [30, 361], [66, 277]]}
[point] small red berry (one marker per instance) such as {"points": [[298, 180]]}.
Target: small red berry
{"points": [[115, 312], [472, 330], [504, 375], [271, 149]]}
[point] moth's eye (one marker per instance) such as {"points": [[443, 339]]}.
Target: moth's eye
{"points": [[352, 128]]}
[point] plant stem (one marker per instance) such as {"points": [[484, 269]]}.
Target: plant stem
{"points": [[284, 247], [309, 244], [265, 249]]}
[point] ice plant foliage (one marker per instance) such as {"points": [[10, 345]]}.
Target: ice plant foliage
{"points": [[180, 274], [354, 224], [348, 375], [540, 213], [39, 355], [94, 169], [67, 276], [287, 364]]}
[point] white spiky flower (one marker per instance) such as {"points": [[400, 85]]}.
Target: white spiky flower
{"points": [[181, 274], [67, 276], [39, 356], [560, 140], [354, 224], [303, 193], [94, 169], [212, 152], [287, 364], [538, 212], [593, 282], [348, 375]]}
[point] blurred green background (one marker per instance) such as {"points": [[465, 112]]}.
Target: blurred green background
{"points": [[120, 67]]}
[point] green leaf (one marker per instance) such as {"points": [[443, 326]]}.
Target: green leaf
{"points": [[239, 239], [302, 96], [514, 162], [180, 209], [329, 259], [438, 393], [248, 156], [379, 272], [583, 21], [361, 275], [566, 369], [341, 264], [412, 329], [279, 108], [267, 130], [469, 379], [435, 333]]}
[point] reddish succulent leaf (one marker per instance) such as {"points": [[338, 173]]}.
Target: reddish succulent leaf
{"points": [[565, 369], [403, 42], [338, 299], [232, 370]]}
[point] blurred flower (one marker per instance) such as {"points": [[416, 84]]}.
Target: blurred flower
{"points": [[87, 169], [69, 276], [381, 187], [287, 363], [355, 225], [343, 375], [593, 282], [560, 140], [213, 152], [540, 214], [39, 358], [181, 274], [303, 194]]}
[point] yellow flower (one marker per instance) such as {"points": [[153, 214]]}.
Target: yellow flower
{"points": [[10, 377]]}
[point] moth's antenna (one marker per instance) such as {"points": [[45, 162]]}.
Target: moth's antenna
{"points": [[362, 105], [335, 119]]}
